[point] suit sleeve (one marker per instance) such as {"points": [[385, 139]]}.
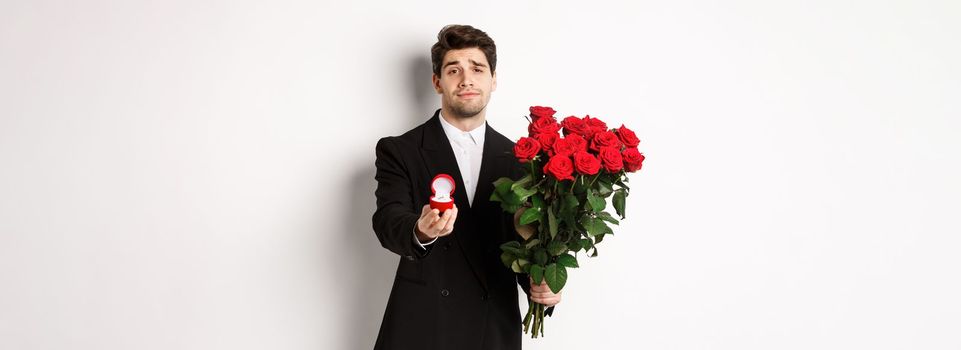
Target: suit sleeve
{"points": [[395, 218]]}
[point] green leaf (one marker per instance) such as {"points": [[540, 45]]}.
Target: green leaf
{"points": [[556, 248], [580, 185], [540, 256], [597, 203], [556, 277], [537, 200], [496, 197], [598, 238], [522, 193], [507, 258], [503, 185], [568, 205], [622, 181], [604, 187], [510, 206], [537, 273], [607, 217], [510, 202], [586, 243], [513, 247], [552, 223], [594, 226], [567, 260], [619, 201], [594, 254], [530, 215], [522, 182], [530, 244], [518, 265]]}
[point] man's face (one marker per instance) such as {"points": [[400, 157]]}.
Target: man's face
{"points": [[465, 82]]}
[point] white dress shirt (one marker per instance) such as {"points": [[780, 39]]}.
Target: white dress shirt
{"points": [[468, 149]]}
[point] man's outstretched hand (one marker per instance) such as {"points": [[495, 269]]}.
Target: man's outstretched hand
{"points": [[542, 294], [432, 225]]}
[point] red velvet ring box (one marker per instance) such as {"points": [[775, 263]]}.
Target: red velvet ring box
{"points": [[443, 189]]}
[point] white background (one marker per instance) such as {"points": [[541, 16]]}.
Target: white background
{"points": [[199, 174]]}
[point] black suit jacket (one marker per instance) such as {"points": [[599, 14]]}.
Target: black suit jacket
{"points": [[457, 294]]}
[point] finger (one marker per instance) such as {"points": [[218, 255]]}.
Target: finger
{"points": [[450, 222], [542, 294], [542, 300], [546, 302], [426, 219], [540, 287], [438, 225], [427, 214], [431, 219], [549, 297], [444, 219], [447, 229]]}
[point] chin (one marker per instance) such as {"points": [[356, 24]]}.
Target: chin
{"points": [[469, 113]]}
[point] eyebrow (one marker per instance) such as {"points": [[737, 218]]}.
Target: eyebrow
{"points": [[471, 61]]}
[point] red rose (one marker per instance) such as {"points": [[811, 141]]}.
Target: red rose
{"points": [[586, 164], [574, 125], [526, 149], [627, 136], [579, 143], [543, 125], [594, 126], [538, 112], [560, 167], [563, 147], [605, 139], [611, 159], [547, 140], [633, 160]]}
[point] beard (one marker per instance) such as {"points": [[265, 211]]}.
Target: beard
{"points": [[467, 110]]}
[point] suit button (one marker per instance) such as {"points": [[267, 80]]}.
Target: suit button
{"points": [[447, 246], [444, 292]]}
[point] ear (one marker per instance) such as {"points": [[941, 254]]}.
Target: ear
{"points": [[436, 81], [493, 81]]}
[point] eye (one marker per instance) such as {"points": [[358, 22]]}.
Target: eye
{"points": [[478, 70], [452, 71]]}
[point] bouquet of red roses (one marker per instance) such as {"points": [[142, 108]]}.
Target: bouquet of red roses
{"points": [[559, 205]]}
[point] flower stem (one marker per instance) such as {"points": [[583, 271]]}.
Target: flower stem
{"points": [[527, 319], [595, 179], [540, 316], [536, 323]]}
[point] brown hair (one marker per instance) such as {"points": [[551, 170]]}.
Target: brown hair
{"points": [[455, 37]]}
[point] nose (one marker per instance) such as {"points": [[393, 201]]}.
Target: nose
{"points": [[466, 81]]}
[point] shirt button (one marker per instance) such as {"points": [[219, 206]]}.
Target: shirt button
{"points": [[444, 292]]}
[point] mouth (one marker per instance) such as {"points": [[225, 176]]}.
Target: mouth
{"points": [[468, 94]]}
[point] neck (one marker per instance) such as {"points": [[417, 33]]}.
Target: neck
{"points": [[463, 123]]}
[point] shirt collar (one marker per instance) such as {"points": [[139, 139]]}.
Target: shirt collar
{"points": [[476, 135]]}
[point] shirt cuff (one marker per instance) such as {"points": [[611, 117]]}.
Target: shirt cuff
{"points": [[422, 245]]}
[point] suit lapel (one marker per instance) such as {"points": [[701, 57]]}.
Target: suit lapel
{"points": [[438, 157], [495, 163]]}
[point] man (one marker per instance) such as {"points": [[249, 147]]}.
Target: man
{"points": [[451, 290]]}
